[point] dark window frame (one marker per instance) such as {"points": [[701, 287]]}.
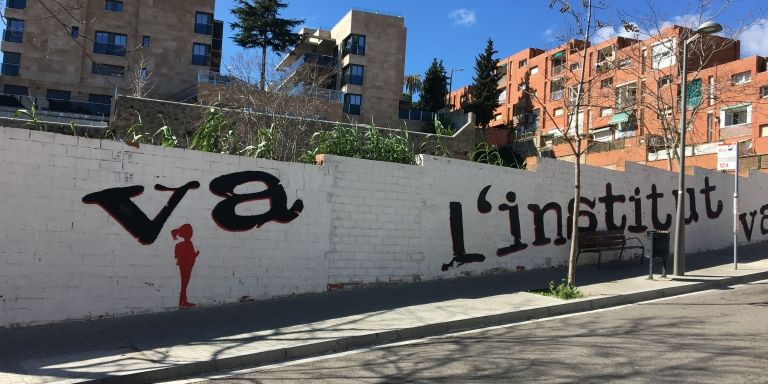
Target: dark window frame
{"points": [[16, 4], [74, 32], [13, 36], [113, 6], [347, 77], [107, 70], [6, 88], [203, 60], [11, 67], [204, 28], [352, 109], [109, 47], [146, 41], [354, 44], [58, 94]]}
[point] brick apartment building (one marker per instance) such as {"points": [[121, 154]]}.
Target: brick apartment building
{"points": [[631, 110], [72, 56]]}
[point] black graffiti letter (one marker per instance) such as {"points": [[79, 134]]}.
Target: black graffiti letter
{"points": [[706, 191], [654, 197], [483, 205], [538, 223], [693, 215], [592, 226], [748, 227], [764, 220], [117, 202], [514, 227], [457, 239], [609, 199], [638, 226], [224, 213]]}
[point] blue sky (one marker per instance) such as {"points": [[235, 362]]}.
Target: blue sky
{"points": [[456, 31]]}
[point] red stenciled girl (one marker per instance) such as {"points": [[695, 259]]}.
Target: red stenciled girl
{"points": [[185, 258]]}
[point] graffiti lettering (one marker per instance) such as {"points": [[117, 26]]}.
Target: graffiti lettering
{"points": [[538, 223], [764, 220], [638, 226], [117, 202], [748, 227], [483, 205], [592, 226], [708, 200], [460, 255], [693, 215], [609, 200], [514, 227], [654, 197], [224, 213]]}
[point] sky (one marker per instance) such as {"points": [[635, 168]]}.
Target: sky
{"points": [[456, 31]]}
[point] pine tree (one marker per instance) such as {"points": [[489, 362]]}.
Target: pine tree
{"points": [[484, 92], [258, 26], [434, 88]]}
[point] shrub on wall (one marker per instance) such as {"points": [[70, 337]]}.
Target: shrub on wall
{"points": [[373, 145]]}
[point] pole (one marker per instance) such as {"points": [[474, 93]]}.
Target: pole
{"points": [[679, 259], [736, 212]]}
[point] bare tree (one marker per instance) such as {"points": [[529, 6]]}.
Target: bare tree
{"points": [[138, 76]]}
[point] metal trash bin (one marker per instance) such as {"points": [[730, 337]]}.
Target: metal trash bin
{"points": [[659, 248]]}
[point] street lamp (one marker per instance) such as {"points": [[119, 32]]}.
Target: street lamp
{"points": [[450, 86], [706, 28]]}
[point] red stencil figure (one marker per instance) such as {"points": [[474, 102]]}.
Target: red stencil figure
{"points": [[185, 258]]}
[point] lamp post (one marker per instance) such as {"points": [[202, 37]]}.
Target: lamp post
{"points": [[450, 86], [706, 28]]}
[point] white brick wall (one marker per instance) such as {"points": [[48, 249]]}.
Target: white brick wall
{"points": [[363, 222]]}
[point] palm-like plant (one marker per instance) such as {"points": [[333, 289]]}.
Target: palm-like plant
{"points": [[412, 84]]}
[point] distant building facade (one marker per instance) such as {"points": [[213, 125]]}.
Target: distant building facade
{"points": [[76, 59]]}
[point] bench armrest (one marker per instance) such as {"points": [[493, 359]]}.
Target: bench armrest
{"points": [[638, 241]]}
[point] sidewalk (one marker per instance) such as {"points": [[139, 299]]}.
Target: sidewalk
{"points": [[151, 348]]}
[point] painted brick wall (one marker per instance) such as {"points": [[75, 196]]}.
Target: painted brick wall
{"points": [[362, 222]]}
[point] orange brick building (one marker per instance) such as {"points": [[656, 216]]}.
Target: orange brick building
{"points": [[629, 109]]}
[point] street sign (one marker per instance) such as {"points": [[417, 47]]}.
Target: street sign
{"points": [[727, 156]]}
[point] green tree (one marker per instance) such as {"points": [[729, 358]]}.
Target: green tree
{"points": [[412, 84], [258, 26], [484, 92], [434, 89]]}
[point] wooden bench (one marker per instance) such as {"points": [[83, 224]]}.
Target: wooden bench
{"points": [[599, 241]]}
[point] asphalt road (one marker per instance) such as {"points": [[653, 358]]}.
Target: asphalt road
{"points": [[711, 337]]}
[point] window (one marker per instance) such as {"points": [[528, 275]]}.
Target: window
{"points": [[54, 94], [144, 73], [11, 63], [624, 64], [557, 112], [75, 32], [203, 23], [14, 31], [352, 103], [606, 83], [101, 104], [108, 43], [15, 90], [575, 67], [764, 91], [201, 54], [764, 130], [113, 6], [107, 70], [522, 63], [503, 96], [664, 81], [741, 78], [353, 44], [626, 96], [145, 42], [352, 74], [737, 115], [662, 54], [557, 90], [693, 93], [17, 4], [99, 99], [534, 70], [606, 111], [666, 115], [710, 126]]}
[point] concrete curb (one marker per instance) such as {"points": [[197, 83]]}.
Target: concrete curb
{"points": [[368, 340]]}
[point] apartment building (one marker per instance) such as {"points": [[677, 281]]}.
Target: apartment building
{"points": [[73, 56], [364, 56], [630, 99]]}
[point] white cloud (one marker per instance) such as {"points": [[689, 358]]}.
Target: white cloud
{"points": [[754, 41], [463, 17]]}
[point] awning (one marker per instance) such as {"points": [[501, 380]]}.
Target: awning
{"points": [[559, 55], [621, 117]]}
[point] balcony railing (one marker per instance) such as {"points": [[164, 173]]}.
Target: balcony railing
{"points": [[311, 59], [109, 49], [210, 77], [558, 69], [736, 130], [12, 36], [201, 60], [415, 114], [556, 95], [55, 110], [605, 146], [204, 29], [329, 95]]}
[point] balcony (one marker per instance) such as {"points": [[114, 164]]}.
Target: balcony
{"points": [[12, 36], [324, 94], [109, 49], [558, 69], [312, 59], [210, 77], [736, 130], [415, 114], [55, 110], [556, 95], [605, 146]]}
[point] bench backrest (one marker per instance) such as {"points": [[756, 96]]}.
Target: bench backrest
{"points": [[601, 239]]}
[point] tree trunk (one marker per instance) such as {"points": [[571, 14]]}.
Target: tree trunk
{"points": [[263, 77], [575, 220]]}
